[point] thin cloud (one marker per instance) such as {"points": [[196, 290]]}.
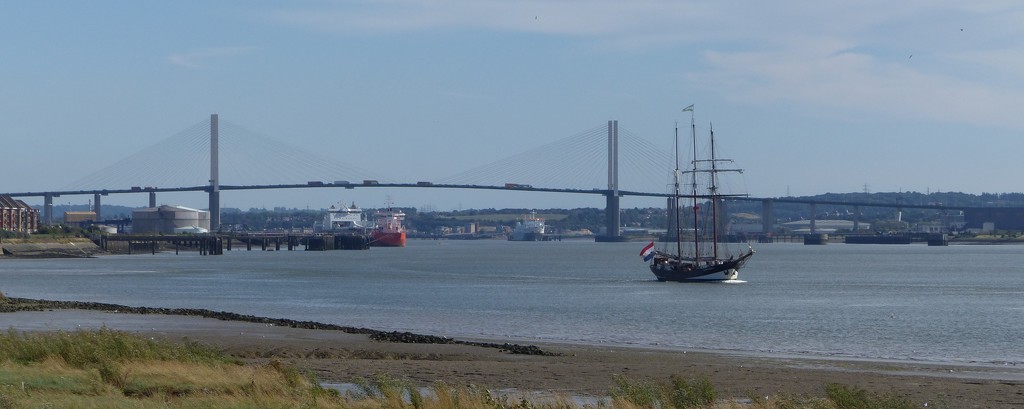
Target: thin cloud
{"points": [[857, 82], [199, 57], [820, 54], [560, 17]]}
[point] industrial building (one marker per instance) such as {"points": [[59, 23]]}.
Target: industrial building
{"points": [[169, 220], [16, 216], [994, 218], [79, 217]]}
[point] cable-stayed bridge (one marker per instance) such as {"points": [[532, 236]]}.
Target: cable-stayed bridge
{"points": [[213, 156], [248, 158]]}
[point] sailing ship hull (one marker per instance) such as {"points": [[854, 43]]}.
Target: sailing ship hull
{"points": [[387, 239], [671, 269]]}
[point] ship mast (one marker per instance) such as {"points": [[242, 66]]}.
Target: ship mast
{"points": [[675, 199], [693, 180], [714, 195]]}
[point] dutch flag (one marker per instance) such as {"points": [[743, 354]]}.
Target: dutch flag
{"points": [[648, 252]]}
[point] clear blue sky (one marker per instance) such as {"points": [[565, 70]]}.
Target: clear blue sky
{"points": [[809, 96]]}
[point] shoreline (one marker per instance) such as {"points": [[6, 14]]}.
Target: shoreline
{"points": [[525, 346], [338, 357], [13, 304]]}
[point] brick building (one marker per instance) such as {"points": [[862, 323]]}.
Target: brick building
{"points": [[17, 216]]}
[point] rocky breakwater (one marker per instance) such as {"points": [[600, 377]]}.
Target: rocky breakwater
{"points": [[11, 304]]}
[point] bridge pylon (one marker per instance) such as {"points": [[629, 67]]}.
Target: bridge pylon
{"points": [[612, 220], [214, 190]]}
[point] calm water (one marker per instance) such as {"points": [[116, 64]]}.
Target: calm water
{"points": [[950, 304]]}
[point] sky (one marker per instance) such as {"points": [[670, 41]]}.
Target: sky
{"points": [[809, 97]]}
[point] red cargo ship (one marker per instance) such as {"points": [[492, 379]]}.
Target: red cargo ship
{"points": [[389, 231]]}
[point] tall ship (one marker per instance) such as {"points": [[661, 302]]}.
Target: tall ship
{"points": [[531, 228], [702, 258], [389, 230]]}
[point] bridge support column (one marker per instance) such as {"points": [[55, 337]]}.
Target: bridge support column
{"points": [[612, 222], [48, 208], [96, 207], [612, 219], [215, 211], [767, 216], [856, 218], [152, 199], [814, 215]]}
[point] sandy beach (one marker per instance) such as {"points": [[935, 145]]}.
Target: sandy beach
{"points": [[574, 370]]}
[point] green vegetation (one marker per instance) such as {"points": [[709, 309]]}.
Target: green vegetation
{"points": [[508, 218], [112, 369], [47, 238], [7, 234], [996, 237], [678, 393], [556, 219], [855, 398]]}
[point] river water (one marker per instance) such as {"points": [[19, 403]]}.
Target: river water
{"points": [[909, 302]]}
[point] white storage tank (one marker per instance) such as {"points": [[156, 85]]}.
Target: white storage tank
{"points": [[165, 219]]}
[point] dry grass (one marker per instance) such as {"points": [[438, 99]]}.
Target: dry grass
{"points": [[105, 368], [111, 369], [162, 384]]}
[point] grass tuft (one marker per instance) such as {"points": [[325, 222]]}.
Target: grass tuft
{"points": [[110, 369], [678, 393], [851, 397], [691, 393], [94, 349]]}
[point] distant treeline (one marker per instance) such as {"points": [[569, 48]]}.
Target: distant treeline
{"points": [[559, 220]]}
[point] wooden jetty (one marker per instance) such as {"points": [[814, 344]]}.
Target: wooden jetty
{"points": [[215, 244]]}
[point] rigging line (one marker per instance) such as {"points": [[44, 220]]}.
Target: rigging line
{"points": [[194, 155], [569, 164], [556, 161], [579, 180], [524, 157], [129, 167], [647, 167], [643, 146], [179, 158], [292, 158], [589, 172], [299, 162], [325, 168], [245, 157], [588, 163]]}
